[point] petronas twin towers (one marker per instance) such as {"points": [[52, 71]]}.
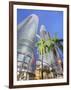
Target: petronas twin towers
{"points": [[26, 43]]}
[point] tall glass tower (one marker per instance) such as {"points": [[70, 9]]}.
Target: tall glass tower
{"points": [[26, 33]]}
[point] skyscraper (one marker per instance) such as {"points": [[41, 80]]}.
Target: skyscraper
{"points": [[48, 57], [26, 34]]}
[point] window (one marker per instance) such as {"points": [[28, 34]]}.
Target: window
{"points": [[27, 59], [20, 57]]}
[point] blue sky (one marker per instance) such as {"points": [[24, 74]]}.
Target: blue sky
{"points": [[53, 20]]}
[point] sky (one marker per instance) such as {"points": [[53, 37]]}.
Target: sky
{"points": [[53, 20]]}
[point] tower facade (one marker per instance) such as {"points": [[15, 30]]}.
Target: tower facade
{"points": [[26, 34]]}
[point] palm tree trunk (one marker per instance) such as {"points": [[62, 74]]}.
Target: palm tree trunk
{"points": [[42, 65]]}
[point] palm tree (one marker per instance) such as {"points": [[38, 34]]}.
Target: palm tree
{"points": [[42, 50], [52, 42]]}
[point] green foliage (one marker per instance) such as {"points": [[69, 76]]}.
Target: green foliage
{"points": [[41, 46], [45, 46]]}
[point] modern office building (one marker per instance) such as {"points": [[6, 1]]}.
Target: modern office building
{"points": [[49, 56], [26, 34]]}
